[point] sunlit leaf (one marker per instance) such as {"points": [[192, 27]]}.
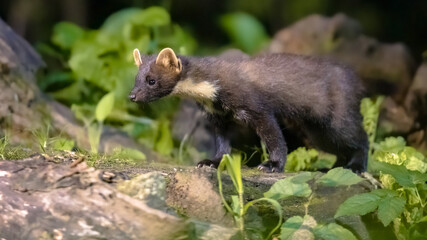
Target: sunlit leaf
{"points": [[333, 231], [339, 177], [104, 107], [359, 204], [164, 142], [390, 208], [403, 176], [291, 186], [300, 159], [290, 226], [390, 205]]}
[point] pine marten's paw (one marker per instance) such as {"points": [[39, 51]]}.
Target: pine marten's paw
{"points": [[271, 167], [209, 163]]}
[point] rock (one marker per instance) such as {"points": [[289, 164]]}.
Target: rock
{"points": [[416, 99], [393, 119], [194, 193], [21, 109], [41, 199], [385, 68]]}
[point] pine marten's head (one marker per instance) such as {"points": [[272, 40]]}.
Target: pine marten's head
{"points": [[157, 77]]}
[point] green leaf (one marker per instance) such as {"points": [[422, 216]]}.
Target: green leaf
{"points": [[233, 166], [360, 204], [301, 159], [104, 107], [291, 186], [245, 31], [339, 177], [290, 226], [392, 144], [63, 144], [403, 176], [164, 142], [65, 34], [85, 113], [390, 205], [277, 207], [129, 153], [153, 16], [115, 23], [390, 208], [333, 231]]}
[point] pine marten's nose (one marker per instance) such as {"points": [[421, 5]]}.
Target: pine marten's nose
{"points": [[132, 97]]}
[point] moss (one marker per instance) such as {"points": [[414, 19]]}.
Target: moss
{"points": [[15, 153]]}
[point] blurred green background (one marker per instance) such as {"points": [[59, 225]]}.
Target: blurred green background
{"points": [[389, 21]]}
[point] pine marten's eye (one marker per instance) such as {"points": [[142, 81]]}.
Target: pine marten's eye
{"points": [[150, 81]]}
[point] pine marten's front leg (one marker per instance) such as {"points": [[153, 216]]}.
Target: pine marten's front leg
{"points": [[222, 143], [270, 133]]}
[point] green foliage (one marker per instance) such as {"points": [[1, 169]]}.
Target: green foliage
{"points": [[119, 157], [97, 73], [393, 150], [370, 110], [300, 159], [61, 144], [245, 31], [104, 107], [390, 205], [303, 159], [163, 142], [41, 135], [402, 171], [65, 34], [338, 177], [4, 143], [294, 186]]}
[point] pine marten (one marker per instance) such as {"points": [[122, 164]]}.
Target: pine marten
{"points": [[322, 96]]}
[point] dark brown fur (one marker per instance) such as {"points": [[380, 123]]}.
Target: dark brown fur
{"points": [[321, 96]]}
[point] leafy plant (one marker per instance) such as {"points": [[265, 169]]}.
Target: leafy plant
{"points": [[232, 164], [245, 31], [294, 186], [303, 159], [402, 171], [306, 227], [96, 63], [370, 110]]}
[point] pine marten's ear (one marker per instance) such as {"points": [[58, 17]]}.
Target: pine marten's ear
{"points": [[168, 58], [137, 57]]}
